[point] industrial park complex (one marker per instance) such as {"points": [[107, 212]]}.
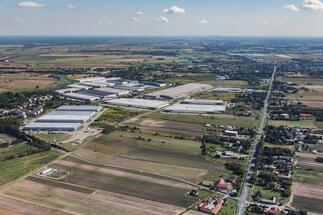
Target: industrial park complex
{"points": [[65, 118]]}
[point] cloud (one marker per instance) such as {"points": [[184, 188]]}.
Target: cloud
{"points": [[70, 6], [104, 21], [140, 13], [30, 4], [174, 9], [291, 7], [135, 19], [313, 5], [162, 19], [264, 22], [202, 21]]}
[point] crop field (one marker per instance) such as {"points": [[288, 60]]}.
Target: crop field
{"points": [[301, 123], [52, 138], [165, 127], [307, 160], [162, 155], [24, 81], [308, 176], [83, 59], [15, 150], [214, 95], [208, 79], [308, 190], [17, 167], [66, 201], [308, 204], [6, 138], [219, 119]]}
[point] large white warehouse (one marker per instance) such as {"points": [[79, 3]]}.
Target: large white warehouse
{"points": [[79, 108], [195, 109], [138, 103], [39, 126], [64, 118]]}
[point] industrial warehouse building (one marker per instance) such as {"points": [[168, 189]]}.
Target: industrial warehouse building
{"points": [[79, 108], [65, 118], [38, 126], [203, 102], [179, 92], [138, 103], [195, 109], [80, 96]]}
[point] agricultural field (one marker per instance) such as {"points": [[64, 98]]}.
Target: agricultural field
{"points": [[308, 204], [152, 153], [301, 123], [165, 127], [207, 79], [113, 116], [308, 176], [215, 95], [219, 119], [17, 150], [307, 160], [14, 168], [52, 138], [25, 81], [91, 60]]}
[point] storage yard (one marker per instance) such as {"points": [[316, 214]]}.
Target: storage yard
{"points": [[179, 92], [65, 118], [138, 103]]}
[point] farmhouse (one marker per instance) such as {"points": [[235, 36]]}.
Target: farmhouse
{"points": [[179, 92], [211, 205], [224, 186], [138, 103]]}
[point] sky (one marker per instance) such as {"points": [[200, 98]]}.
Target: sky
{"points": [[162, 17]]}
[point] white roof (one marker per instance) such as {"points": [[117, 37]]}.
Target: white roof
{"points": [[143, 103], [86, 113], [79, 86], [193, 108], [72, 89], [63, 117], [36, 125], [202, 101], [81, 96], [180, 91], [112, 90], [91, 79], [79, 108]]}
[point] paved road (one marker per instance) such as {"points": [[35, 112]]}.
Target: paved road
{"points": [[246, 185]]}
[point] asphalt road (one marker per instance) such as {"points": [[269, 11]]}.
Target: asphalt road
{"points": [[246, 185]]}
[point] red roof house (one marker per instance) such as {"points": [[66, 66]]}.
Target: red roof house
{"points": [[223, 185], [210, 205]]}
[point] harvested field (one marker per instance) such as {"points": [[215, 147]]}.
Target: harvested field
{"points": [[308, 176], [307, 190], [168, 156], [25, 207], [191, 174], [217, 119], [301, 123], [126, 183], [308, 204], [307, 160], [79, 203], [8, 212], [172, 127], [22, 81]]}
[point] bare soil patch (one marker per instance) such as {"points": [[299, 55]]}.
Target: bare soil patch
{"points": [[307, 190]]}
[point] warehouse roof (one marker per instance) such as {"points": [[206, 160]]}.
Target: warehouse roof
{"points": [[84, 113], [194, 108], [81, 96], [138, 103], [65, 117], [180, 91], [90, 79], [79, 86], [112, 90], [79, 108], [52, 125], [203, 101]]}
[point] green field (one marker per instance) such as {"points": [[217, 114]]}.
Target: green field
{"points": [[17, 167], [6, 138], [266, 193], [170, 156], [302, 123], [229, 207], [53, 138], [215, 119], [308, 176], [15, 151]]}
